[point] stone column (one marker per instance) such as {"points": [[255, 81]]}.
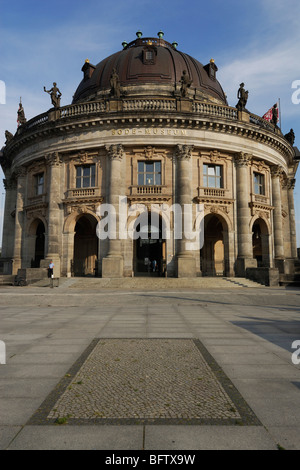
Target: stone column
{"points": [[186, 263], [53, 240], [290, 189], [19, 219], [10, 185], [276, 173], [245, 250], [112, 264]]}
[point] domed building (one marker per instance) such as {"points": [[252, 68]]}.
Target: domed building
{"points": [[149, 131]]}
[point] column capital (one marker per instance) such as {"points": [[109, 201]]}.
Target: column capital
{"points": [[243, 159], [53, 159], [291, 183], [184, 152], [276, 171], [9, 183], [115, 151], [20, 172]]}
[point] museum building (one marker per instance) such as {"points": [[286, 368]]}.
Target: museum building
{"points": [[152, 125]]}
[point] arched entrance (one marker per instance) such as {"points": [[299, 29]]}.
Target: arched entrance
{"points": [[39, 244], [36, 243], [214, 254], [149, 254], [260, 243], [85, 246]]}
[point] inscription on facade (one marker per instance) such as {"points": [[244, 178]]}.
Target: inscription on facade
{"points": [[149, 131]]}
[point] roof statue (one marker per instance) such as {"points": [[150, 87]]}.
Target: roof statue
{"points": [[290, 137], [8, 136], [274, 119], [115, 84], [242, 96], [21, 114], [55, 94], [185, 83]]}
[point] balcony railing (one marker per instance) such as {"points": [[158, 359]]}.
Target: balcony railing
{"points": [[149, 190], [82, 192]]}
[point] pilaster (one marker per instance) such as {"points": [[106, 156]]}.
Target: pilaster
{"points": [[19, 219], [113, 263], [53, 246], [244, 237], [186, 263]]}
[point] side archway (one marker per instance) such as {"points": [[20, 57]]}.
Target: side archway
{"points": [[36, 243], [214, 255], [261, 242]]}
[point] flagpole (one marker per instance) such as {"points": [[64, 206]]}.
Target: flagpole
{"points": [[279, 113]]}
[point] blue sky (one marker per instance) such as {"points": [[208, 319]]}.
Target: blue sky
{"points": [[255, 42]]}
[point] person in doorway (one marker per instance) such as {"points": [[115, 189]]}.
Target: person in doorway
{"points": [[154, 265], [50, 269]]}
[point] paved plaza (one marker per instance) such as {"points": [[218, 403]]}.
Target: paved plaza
{"points": [[150, 364]]}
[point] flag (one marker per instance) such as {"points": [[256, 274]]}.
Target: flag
{"points": [[269, 114]]}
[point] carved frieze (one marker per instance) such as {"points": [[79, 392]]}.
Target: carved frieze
{"points": [[82, 206], [260, 209], [36, 211]]}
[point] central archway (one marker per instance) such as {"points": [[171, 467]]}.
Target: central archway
{"points": [[85, 246], [149, 248]]}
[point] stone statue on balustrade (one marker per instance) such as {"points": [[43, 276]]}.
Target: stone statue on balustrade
{"points": [[8, 136], [115, 84], [55, 94], [21, 115], [185, 84], [242, 96]]}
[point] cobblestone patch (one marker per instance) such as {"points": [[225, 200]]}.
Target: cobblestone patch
{"points": [[145, 381]]}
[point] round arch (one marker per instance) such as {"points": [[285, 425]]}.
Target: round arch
{"points": [[71, 220]]}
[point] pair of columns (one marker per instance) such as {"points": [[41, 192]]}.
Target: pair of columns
{"points": [[245, 255], [112, 265], [53, 248]]}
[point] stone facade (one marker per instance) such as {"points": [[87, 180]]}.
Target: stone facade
{"points": [[60, 167]]}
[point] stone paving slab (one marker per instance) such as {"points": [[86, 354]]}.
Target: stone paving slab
{"points": [[208, 438], [74, 437]]}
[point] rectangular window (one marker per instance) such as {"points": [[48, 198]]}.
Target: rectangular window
{"points": [[259, 184], [149, 173], [39, 184], [85, 176], [212, 176]]}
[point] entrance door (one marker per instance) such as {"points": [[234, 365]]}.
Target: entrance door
{"points": [[150, 250], [85, 247], [39, 250]]}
